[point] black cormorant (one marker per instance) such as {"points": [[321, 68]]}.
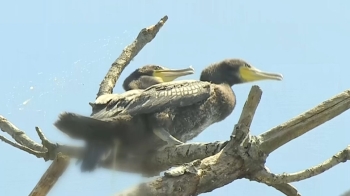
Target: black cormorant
{"points": [[97, 143]]}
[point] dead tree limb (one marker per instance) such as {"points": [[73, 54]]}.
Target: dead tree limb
{"points": [[19, 136], [51, 176], [21, 147], [340, 157]]}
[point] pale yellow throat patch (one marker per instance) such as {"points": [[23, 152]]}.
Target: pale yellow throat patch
{"points": [[159, 77]]}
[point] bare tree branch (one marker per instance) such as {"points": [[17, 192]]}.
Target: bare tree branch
{"points": [[268, 177], [280, 135], [250, 106], [145, 36], [51, 176], [18, 135], [30, 146], [21, 147], [182, 154], [193, 178], [285, 188], [160, 161]]}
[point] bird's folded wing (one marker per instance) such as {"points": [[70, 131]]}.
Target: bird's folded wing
{"points": [[157, 98], [106, 98], [102, 101], [168, 95]]}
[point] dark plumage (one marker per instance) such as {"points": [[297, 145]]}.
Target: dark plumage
{"points": [[102, 134]]}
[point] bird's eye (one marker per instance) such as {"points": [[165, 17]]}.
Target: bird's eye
{"points": [[160, 68], [247, 65]]}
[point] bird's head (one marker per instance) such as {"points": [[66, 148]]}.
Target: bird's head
{"points": [[235, 71], [149, 75]]}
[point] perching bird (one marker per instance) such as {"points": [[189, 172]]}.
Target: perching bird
{"points": [[98, 141]]}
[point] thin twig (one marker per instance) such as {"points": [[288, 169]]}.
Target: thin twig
{"points": [[21, 147], [145, 36], [282, 134], [51, 176], [340, 157], [51, 148], [42, 137]]}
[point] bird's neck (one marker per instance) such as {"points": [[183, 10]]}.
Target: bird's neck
{"points": [[227, 99], [216, 75]]}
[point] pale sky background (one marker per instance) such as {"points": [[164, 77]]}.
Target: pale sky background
{"points": [[64, 48]]}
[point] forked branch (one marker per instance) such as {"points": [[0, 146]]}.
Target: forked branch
{"points": [[38, 154], [268, 177], [19, 136]]}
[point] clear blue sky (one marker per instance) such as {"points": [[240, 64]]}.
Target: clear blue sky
{"points": [[64, 48]]}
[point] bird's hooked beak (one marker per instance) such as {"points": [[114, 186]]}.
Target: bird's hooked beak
{"points": [[168, 75], [251, 74]]}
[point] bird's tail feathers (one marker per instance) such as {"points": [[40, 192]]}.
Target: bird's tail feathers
{"points": [[83, 127], [96, 152]]}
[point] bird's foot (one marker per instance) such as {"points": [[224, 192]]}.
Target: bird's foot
{"points": [[170, 144], [166, 136]]}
